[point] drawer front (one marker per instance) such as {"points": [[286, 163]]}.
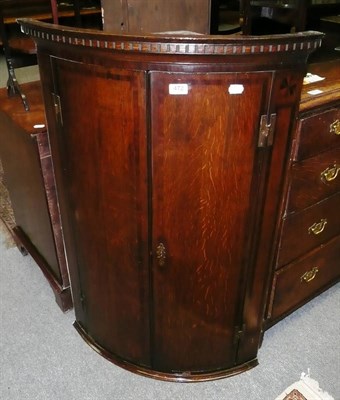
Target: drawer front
{"points": [[298, 282], [314, 180], [303, 231], [318, 133]]}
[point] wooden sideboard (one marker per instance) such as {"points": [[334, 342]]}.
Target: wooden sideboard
{"points": [[29, 178], [169, 156], [307, 260]]}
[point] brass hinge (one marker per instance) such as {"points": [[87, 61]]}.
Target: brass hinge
{"points": [[266, 133], [57, 108]]}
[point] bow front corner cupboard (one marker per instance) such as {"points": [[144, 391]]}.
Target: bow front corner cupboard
{"points": [[169, 153]]}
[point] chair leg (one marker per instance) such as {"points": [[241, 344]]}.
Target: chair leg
{"points": [[13, 87]]}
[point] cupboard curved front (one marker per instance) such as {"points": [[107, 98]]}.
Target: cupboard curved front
{"points": [[169, 152]]}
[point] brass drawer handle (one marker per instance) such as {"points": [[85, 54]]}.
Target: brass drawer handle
{"points": [[317, 227], [335, 127], [161, 254], [330, 173], [309, 275]]}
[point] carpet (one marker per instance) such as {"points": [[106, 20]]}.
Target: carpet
{"points": [[304, 389], [6, 212]]}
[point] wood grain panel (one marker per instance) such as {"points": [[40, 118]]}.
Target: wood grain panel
{"points": [[290, 290], [307, 187], [25, 184], [297, 237], [134, 16], [317, 133], [136, 171], [203, 164], [104, 154]]}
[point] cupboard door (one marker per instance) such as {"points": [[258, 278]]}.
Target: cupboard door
{"points": [[104, 161], [204, 142]]}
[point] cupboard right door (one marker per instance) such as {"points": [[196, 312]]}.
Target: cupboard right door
{"points": [[204, 133]]}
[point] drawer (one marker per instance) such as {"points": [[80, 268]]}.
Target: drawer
{"points": [[314, 180], [317, 133], [308, 229], [296, 283]]}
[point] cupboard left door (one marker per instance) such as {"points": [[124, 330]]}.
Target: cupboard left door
{"points": [[100, 142]]}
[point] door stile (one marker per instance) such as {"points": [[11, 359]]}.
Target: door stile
{"points": [[150, 217], [263, 154]]}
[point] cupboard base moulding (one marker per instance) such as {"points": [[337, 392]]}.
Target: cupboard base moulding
{"points": [[184, 377]]}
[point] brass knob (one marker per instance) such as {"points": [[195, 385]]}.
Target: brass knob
{"points": [[335, 127], [317, 227], [330, 173], [161, 254], [309, 275]]}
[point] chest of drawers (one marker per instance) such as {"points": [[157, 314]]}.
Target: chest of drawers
{"points": [[307, 259]]}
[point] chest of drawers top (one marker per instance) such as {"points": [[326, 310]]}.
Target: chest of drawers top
{"points": [[328, 88]]}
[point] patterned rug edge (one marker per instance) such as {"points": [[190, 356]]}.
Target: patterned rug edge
{"points": [[6, 213], [304, 389]]}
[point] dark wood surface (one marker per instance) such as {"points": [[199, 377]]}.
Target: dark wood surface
{"points": [[30, 181], [329, 87], [193, 188], [26, 120], [134, 16], [307, 186], [105, 163], [316, 133], [324, 214], [308, 243], [280, 18], [291, 290], [20, 50], [275, 17], [169, 201], [43, 10]]}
